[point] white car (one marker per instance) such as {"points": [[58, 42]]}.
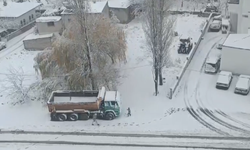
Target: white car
{"points": [[215, 25], [242, 85], [2, 45], [224, 80]]}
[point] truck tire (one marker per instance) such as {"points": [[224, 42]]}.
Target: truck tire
{"points": [[53, 117], [109, 116], [62, 117], [84, 116], [73, 117]]}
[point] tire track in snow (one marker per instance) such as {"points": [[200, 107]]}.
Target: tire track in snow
{"points": [[233, 119], [197, 117], [212, 116]]}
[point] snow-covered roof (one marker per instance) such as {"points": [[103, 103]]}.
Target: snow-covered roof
{"points": [[49, 19], [94, 7], [212, 59], [97, 7], [37, 36], [119, 3], [242, 82], [17, 9], [240, 41], [223, 77], [110, 96], [216, 21]]}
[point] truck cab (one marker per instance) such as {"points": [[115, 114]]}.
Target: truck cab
{"points": [[111, 105]]}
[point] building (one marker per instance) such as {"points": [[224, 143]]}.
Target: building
{"points": [[16, 15], [122, 10], [95, 8], [38, 42], [50, 24], [235, 55], [239, 11]]}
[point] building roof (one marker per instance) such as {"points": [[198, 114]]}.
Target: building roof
{"points": [[49, 19], [94, 7], [37, 36], [97, 7], [240, 41], [119, 3], [17, 9]]}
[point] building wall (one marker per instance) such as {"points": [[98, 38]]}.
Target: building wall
{"points": [[38, 44], [66, 19], [43, 27], [242, 9], [124, 15], [25, 18], [106, 11], [234, 22], [235, 60]]}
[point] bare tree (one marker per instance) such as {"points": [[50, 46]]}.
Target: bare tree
{"points": [[158, 29], [69, 60], [15, 84]]}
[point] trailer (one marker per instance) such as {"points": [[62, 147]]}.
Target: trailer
{"points": [[81, 105]]}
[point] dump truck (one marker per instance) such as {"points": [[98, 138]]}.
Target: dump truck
{"points": [[81, 105]]}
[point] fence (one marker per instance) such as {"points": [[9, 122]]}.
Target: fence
{"points": [[21, 30], [190, 56]]}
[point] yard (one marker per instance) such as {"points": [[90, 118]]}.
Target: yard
{"points": [[149, 113]]}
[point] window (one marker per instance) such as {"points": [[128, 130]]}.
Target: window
{"points": [[21, 23], [50, 24], [32, 16], [24, 21], [106, 104], [69, 20], [114, 104]]}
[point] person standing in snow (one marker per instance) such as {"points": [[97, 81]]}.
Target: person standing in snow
{"points": [[129, 112], [94, 119]]}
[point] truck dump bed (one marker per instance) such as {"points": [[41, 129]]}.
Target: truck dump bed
{"points": [[72, 100]]}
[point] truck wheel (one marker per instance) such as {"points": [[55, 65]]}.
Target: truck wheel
{"points": [[85, 116], [73, 117], [62, 117], [53, 117], [109, 116]]}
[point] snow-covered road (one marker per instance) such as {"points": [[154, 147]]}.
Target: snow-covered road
{"points": [[157, 142], [211, 107]]}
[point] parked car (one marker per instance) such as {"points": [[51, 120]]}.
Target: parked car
{"points": [[219, 17], [211, 8], [242, 85], [2, 45], [224, 80], [215, 25], [212, 64], [185, 45]]}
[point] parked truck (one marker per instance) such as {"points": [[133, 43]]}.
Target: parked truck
{"points": [[81, 105]]}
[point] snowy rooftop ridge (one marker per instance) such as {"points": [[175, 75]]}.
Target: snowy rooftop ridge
{"points": [[37, 36], [94, 7], [17, 9], [240, 41], [49, 19], [119, 3]]}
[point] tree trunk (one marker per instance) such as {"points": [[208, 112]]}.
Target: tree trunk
{"points": [[160, 76], [156, 81]]}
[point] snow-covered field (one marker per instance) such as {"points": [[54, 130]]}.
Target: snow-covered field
{"points": [[149, 113], [188, 26]]}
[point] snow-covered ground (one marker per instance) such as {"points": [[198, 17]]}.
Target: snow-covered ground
{"points": [[153, 142], [80, 147], [187, 26], [189, 5], [222, 111], [149, 113]]}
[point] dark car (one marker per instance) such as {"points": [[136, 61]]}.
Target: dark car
{"points": [[185, 45]]}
